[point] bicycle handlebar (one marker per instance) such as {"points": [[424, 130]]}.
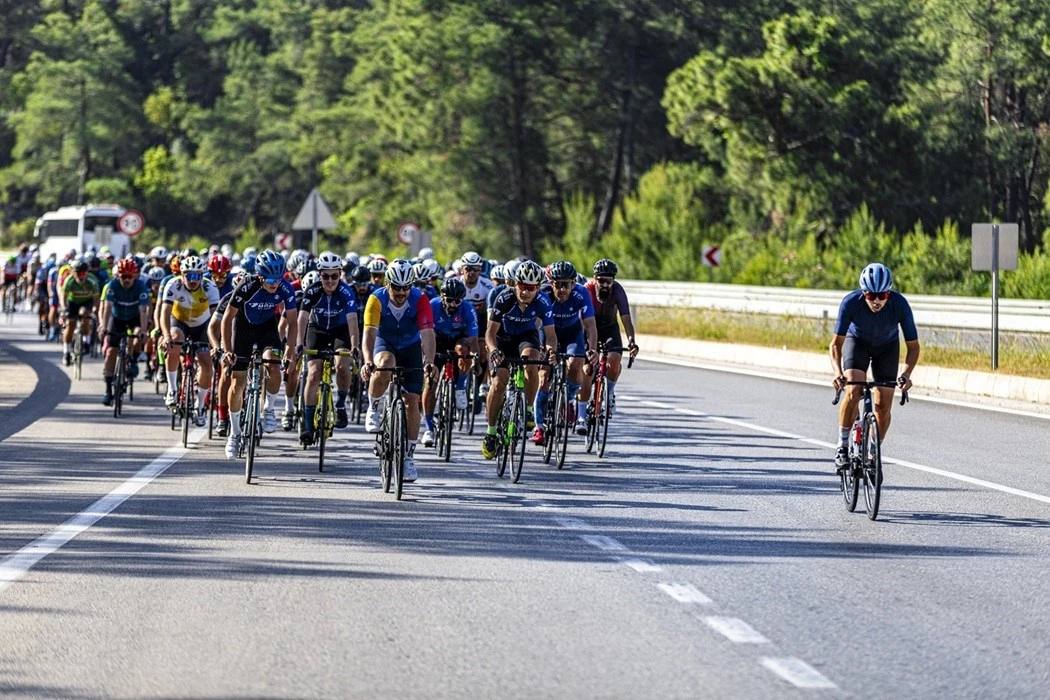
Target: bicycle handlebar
{"points": [[885, 385]]}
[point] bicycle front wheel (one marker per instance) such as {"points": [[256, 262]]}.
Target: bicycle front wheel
{"points": [[322, 420], [850, 486], [472, 401], [603, 418], [518, 440], [551, 409], [872, 460], [566, 415], [251, 433], [118, 386], [400, 439], [448, 420], [188, 401]]}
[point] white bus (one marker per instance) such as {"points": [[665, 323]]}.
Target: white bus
{"points": [[79, 228]]}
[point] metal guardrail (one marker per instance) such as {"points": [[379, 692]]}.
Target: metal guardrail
{"points": [[970, 313]]}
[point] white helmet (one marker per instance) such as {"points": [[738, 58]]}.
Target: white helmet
{"points": [[457, 266], [528, 272], [310, 279], [352, 257], [420, 271], [472, 259], [191, 264], [400, 272], [510, 268], [159, 252], [377, 266], [432, 267], [329, 261], [226, 249], [425, 253]]}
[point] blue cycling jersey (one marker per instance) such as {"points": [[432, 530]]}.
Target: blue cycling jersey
{"points": [[496, 291], [570, 313], [515, 320], [329, 311], [226, 287], [856, 319], [258, 305], [464, 322]]}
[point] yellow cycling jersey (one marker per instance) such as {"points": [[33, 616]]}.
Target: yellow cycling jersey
{"points": [[191, 307]]}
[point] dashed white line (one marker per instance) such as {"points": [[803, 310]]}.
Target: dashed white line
{"points": [[797, 672], [574, 524], [684, 593], [736, 630], [643, 566], [604, 543]]}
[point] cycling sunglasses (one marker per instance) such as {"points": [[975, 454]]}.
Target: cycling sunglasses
{"points": [[400, 287], [194, 276], [528, 287], [605, 280], [880, 296], [331, 278], [564, 284], [272, 281], [127, 278]]}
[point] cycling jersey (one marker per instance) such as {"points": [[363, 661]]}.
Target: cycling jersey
{"points": [[606, 311], [223, 304], [495, 293], [329, 311], [258, 305], [431, 291], [192, 308], [462, 323], [126, 303], [478, 294], [11, 272], [569, 313], [226, 287], [75, 291], [857, 320], [399, 327], [513, 319]]}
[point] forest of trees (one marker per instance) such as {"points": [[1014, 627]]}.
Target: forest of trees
{"points": [[805, 136]]}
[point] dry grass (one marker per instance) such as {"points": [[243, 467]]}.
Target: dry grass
{"points": [[814, 335]]}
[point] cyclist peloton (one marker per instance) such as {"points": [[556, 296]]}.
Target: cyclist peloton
{"points": [[125, 305], [327, 320], [399, 332], [250, 319], [867, 333], [456, 334], [186, 306], [512, 333]]}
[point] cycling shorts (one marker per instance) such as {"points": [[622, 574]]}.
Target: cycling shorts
{"points": [[117, 329], [571, 340], [512, 346], [883, 359], [194, 333], [605, 332], [320, 339], [247, 334], [410, 357]]}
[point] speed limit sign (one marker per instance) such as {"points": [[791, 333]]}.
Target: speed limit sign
{"points": [[406, 232], [131, 223]]}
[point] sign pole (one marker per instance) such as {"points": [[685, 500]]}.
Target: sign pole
{"points": [[313, 244], [995, 297]]}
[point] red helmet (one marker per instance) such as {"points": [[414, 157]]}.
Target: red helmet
{"points": [[126, 267], [219, 265]]}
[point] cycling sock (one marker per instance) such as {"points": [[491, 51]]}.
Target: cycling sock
{"points": [[612, 387], [287, 403], [843, 436], [109, 385], [373, 401], [573, 389], [581, 410], [308, 417], [461, 381], [340, 399], [491, 430], [69, 348], [541, 406], [173, 378], [271, 401], [411, 447], [202, 398], [235, 423], [429, 420], [224, 412]]}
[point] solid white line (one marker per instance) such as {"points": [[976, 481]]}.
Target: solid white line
{"points": [[684, 593], [643, 566], [797, 672], [606, 544], [736, 630], [821, 443], [17, 565]]}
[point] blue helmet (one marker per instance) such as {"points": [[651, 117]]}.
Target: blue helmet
{"points": [[270, 266], [876, 278]]}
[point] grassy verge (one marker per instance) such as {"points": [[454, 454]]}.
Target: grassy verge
{"points": [[813, 335]]}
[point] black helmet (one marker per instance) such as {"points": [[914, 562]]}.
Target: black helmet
{"points": [[563, 270], [605, 268], [360, 275], [80, 266], [453, 288], [189, 252], [348, 267]]}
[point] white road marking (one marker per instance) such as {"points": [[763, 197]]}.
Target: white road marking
{"points": [[797, 672], [821, 443], [17, 565], [684, 593], [736, 630], [643, 566], [606, 544], [573, 524]]}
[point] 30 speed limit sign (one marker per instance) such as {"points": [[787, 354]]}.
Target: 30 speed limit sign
{"points": [[131, 223]]}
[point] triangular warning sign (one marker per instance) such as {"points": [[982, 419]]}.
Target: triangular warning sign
{"points": [[314, 214]]}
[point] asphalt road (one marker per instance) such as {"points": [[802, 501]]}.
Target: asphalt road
{"points": [[709, 555]]}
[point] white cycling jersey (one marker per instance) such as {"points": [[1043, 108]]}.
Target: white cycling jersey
{"points": [[479, 293]]}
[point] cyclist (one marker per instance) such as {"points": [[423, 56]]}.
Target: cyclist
{"points": [[125, 305], [215, 338], [577, 334], [867, 333], [190, 300], [399, 332], [219, 267], [251, 319], [512, 333], [456, 335], [610, 301], [79, 297], [377, 270], [327, 319], [10, 276]]}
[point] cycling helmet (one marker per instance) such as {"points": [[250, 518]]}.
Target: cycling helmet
{"points": [[226, 249], [563, 270], [157, 274], [329, 261], [605, 268], [377, 266], [189, 253], [348, 267], [92, 260], [510, 269], [876, 278], [292, 261], [497, 273], [310, 279], [400, 273], [352, 257], [432, 267], [78, 267], [360, 275], [191, 265], [270, 266], [472, 259], [248, 264], [420, 271], [140, 261], [581, 278], [126, 267], [220, 265], [529, 273], [252, 251], [454, 289], [305, 265], [425, 253]]}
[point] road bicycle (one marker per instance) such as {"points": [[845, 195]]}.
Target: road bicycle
{"points": [[80, 343], [392, 441], [9, 304], [356, 396], [324, 415], [511, 433], [251, 414], [562, 408], [185, 409], [446, 415], [468, 415], [123, 381], [599, 409], [865, 452], [213, 393]]}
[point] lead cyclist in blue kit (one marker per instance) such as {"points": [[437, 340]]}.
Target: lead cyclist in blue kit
{"points": [[867, 333]]}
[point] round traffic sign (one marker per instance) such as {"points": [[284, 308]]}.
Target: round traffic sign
{"points": [[406, 232], [131, 223]]}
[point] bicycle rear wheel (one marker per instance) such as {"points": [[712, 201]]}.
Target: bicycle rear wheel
{"points": [[213, 399], [551, 409], [593, 407], [872, 460], [400, 437], [604, 418], [355, 397], [118, 383], [518, 439], [78, 353], [386, 455], [848, 482], [473, 387], [251, 430]]}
